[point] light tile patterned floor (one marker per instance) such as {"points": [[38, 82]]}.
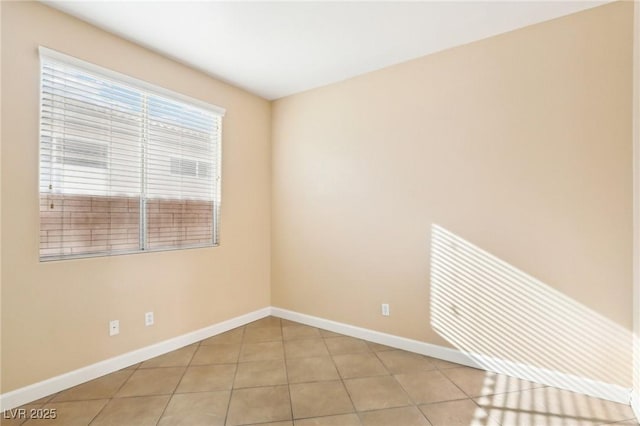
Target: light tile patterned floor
{"points": [[280, 373]]}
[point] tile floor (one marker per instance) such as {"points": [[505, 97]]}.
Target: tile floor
{"points": [[277, 372]]}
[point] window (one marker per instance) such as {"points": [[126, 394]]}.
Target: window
{"points": [[124, 166]]}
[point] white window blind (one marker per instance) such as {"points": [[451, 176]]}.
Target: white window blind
{"points": [[124, 166]]}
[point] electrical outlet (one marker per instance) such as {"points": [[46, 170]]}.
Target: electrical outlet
{"points": [[114, 327], [385, 309], [148, 319]]}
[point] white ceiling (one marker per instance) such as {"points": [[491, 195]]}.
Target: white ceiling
{"points": [[275, 49]]}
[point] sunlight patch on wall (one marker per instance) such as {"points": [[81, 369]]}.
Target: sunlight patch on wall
{"points": [[484, 306]]}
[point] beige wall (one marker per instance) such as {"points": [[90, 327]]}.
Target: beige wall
{"points": [[636, 155], [55, 315], [1, 374], [519, 145]]}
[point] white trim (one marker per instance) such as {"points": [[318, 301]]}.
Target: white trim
{"points": [[114, 75], [557, 379], [403, 343], [544, 376], [64, 381]]}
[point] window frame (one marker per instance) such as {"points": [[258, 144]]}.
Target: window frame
{"points": [[146, 89]]}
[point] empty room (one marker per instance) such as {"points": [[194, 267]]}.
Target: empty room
{"points": [[320, 213]]}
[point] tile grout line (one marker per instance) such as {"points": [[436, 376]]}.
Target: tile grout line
{"points": [[454, 384], [286, 372], [344, 385], [354, 351], [114, 394], [235, 374], [490, 394], [413, 402], [186, 367]]}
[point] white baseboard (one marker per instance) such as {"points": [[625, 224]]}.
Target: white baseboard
{"points": [[410, 345], [607, 391], [557, 379], [41, 389]]}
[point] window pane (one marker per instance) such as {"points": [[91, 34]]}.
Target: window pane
{"points": [[90, 134], [182, 146], [122, 168], [179, 223], [90, 154], [83, 224]]}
